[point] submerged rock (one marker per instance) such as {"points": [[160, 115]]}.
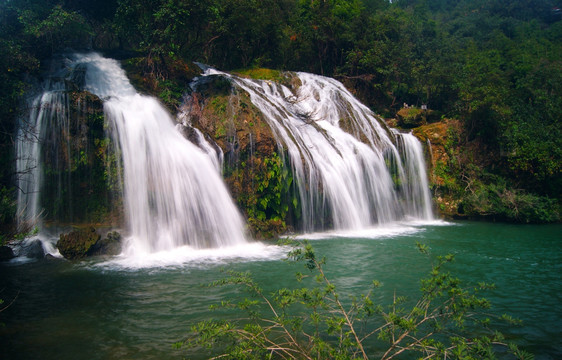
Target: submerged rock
{"points": [[6, 253], [77, 244]]}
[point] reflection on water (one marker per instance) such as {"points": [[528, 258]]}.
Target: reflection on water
{"points": [[114, 309]]}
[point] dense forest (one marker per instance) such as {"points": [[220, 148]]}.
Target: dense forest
{"points": [[493, 66]]}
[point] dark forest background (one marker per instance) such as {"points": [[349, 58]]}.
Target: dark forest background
{"points": [[493, 65]]}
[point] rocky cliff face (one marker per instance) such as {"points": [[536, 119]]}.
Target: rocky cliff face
{"points": [[252, 168], [79, 186], [214, 109], [65, 163], [440, 141]]}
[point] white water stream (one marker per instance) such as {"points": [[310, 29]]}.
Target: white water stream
{"points": [[174, 195], [48, 116], [337, 174]]}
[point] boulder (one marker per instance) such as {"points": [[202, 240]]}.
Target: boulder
{"points": [[6, 253], [32, 249], [110, 245], [77, 244], [51, 257], [411, 117]]}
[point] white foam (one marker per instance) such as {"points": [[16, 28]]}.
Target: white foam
{"points": [[421, 222], [186, 256], [376, 232]]}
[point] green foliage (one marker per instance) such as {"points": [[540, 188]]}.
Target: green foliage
{"points": [[260, 74], [164, 75], [270, 202], [448, 171], [59, 29], [493, 65], [317, 322], [272, 186], [170, 92], [498, 201], [24, 235], [7, 208]]}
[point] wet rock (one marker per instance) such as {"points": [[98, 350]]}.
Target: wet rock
{"points": [[226, 114], [6, 253], [77, 244], [32, 249], [267, 229], [110, 245]]}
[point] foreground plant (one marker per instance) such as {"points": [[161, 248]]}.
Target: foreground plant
{"points": [[313, 322]]}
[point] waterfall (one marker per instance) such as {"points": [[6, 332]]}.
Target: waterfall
{"points": [[350, 171], [341, 154], [414, 178], [48, 115], [173, 193]]}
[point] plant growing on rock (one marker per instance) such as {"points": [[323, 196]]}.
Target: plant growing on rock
{"points": [[317, 322], [269, 200]]}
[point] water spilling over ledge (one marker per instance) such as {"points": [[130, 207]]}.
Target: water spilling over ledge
{"points": [[173, 194], [348, 171], [351, 172]]}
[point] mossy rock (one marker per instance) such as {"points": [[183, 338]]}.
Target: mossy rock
{"points": [[77, 186], [253, 171], [411, 117], [266, 229], [77, 244], [164, 77], [260, 74]]}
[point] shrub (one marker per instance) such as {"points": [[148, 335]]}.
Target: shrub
{"points": [[498, 201], [315, 322]]}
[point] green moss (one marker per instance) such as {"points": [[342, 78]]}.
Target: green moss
{"points": [[411, 117], [218, 105], [77, 244], [161, 76], [260, 74], [218, 109]]}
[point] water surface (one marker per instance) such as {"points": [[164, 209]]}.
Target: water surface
{"points": [[116, 309]]}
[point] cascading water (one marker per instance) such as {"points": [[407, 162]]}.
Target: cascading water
{"points": [[414, 178], [48, 115], [172, 190], [336, 173], [173, 193], [51, 174], [345, 163]]}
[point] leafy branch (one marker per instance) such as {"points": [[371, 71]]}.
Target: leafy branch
{"points": [[316, 322]]}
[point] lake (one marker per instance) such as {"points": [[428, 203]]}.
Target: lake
{"points": [[120, 308]]}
